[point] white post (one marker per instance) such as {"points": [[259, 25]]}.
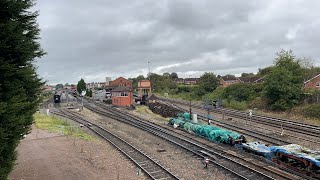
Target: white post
{"points": [[82, 103]]}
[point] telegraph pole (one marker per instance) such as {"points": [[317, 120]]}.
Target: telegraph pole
{"points": [[190, 98], [149, 69]]}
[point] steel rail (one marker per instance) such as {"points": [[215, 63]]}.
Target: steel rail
{"points": [[236, 168], [152, 168], [306, 129]]}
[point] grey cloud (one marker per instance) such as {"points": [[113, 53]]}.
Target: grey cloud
{"points": [[117, 38]]}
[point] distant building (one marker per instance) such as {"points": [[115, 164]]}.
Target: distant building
{"points": [[122, 96], [179, 80], [108, 80], [95, 85], [190, 81], [228, 80], [144, 88], [313, 83], [251, 80], [99, 94]]}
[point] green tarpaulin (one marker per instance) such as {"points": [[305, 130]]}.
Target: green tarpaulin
{"points": [[212, 133]]}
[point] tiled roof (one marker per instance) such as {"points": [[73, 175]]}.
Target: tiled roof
{"points": [[229, 78], [191, 79], [249, 79], [312, 78]]}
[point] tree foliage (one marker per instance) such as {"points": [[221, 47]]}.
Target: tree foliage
{"points": [[162, 83], [88, 93], [247, 74], [208, 82], [240, 92], [81, 86], [174, 75], [59, 86], [283, 85], [20, 86], [265, 71], [136, 80]]}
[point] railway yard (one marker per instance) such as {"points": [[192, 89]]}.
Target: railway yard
{"points": [[162, 152]]}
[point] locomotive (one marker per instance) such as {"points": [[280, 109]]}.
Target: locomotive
{"points": [[57, 97]]}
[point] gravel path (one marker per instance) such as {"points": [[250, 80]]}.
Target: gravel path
{"points": [[44, 155]]}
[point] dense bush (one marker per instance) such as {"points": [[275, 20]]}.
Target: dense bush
{"points": [[233, 104], [239, 92], [216, 94], [259, 103], [312, 111], [282, 86]]}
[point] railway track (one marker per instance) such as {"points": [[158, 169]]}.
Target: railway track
{"points": [[152, 168], [235, 166], [245, 131], [302, 128]]}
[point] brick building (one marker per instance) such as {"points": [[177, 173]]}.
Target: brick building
{"points": [[95, 85], [228, 80], [190, 81], [251, 80], [122, 96], [121, 82], [144, 88], [313, 83], [179, 80]]}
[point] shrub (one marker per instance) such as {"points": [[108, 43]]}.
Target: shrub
{"points": [[233, 104], [216, 94], [312, 111], [239, 92], [259, 103]]}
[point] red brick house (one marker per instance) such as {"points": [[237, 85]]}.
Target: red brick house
{"points": [[313, 83], [121, 82], [251, 80], [228, 80], [122, 96], [179, 80], [190, 81]]}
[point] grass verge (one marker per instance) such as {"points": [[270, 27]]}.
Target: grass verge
{"points": [[54, 124]]}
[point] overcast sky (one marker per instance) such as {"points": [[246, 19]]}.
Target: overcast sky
{"points": [[98, 38]]}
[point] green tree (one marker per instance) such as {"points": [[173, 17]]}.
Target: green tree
{"points": [[265, 71], [208, 82], [161, 83], [89, 93], [136, 80], [81, 86], [174, 75], [59, 86], [240, 92], [166, 74], [247, 74], [283, 85], [20, 86]]}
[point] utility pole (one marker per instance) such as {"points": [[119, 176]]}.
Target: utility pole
{"points": [[190, 99], [149, 69]]}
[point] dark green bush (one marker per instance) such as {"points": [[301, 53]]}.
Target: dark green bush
{"points": [[237, 105], [312, 111], [240, 92], [259, 103]]}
